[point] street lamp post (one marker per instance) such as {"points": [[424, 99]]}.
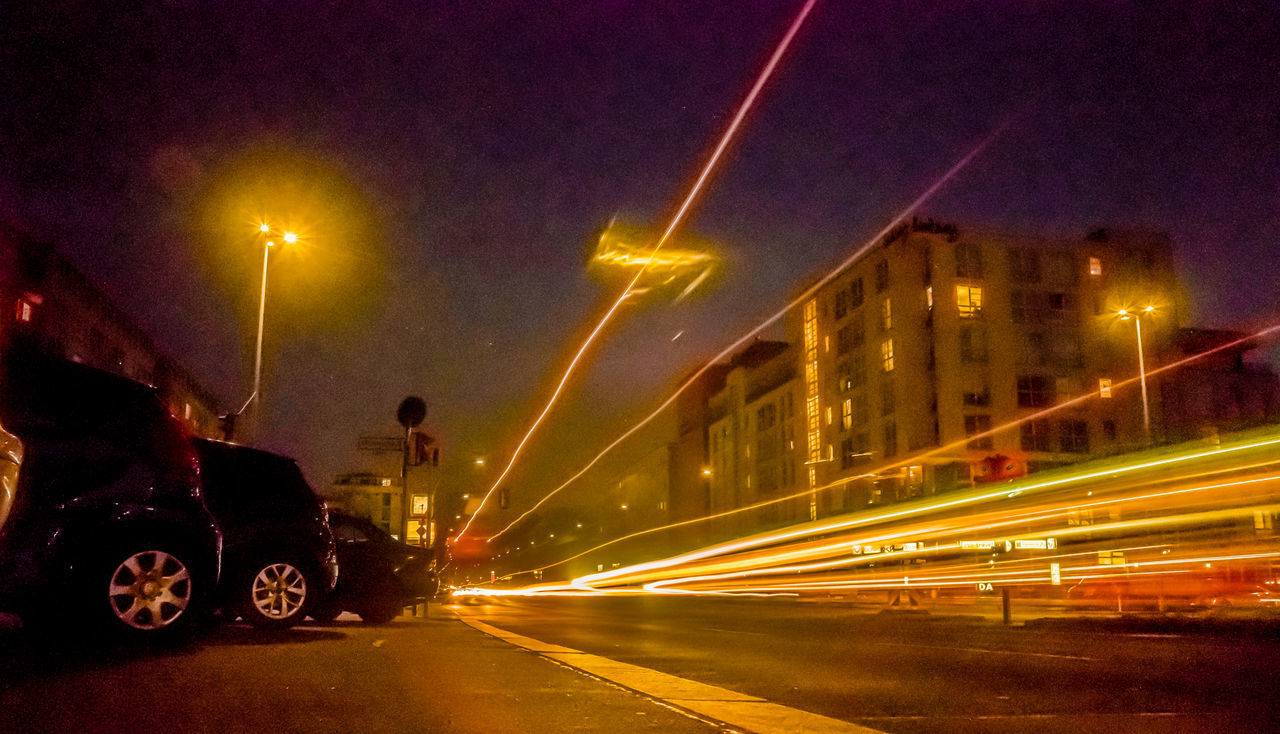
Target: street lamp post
{"points": [[268, 243], [1125, 315]]}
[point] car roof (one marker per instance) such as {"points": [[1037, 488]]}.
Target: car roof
{"points": [[39, 392]]}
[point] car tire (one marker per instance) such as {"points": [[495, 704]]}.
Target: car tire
{"points": [[144, 590], [276, 593]]}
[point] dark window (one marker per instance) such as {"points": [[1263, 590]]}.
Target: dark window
{"points": [[1059, 305], [973, 344], [850, 336], [975, 424], [1034, 391], [855, 290], [1073, 436], [1024, 265], [766, 417], [886, 398], [851, 374], [860, 412], [1036, 436], [968, 261], [882, 275], [1109, 429], [842, 304], [977, 394], [1033, 350], [1026, 307], [890, 439]]}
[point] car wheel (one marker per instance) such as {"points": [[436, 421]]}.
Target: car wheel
{"points": [[148, 589], [276, 594], [382, 610]]}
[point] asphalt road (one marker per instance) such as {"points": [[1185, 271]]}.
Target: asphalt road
{"points": [[662, 664], [939, 672]]}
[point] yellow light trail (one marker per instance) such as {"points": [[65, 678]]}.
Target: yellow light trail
{"points": [[832, 274], [686, 569], [917, 508], [1264, 333], [725, 139]]}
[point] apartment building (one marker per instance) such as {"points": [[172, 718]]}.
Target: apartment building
{"points": [[933, 361]]}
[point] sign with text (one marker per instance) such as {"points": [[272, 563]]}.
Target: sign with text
{"points": [[386, 444]]}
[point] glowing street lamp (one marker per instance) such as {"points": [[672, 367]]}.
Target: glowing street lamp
{"points": [[289, 238], [1125, 315]]}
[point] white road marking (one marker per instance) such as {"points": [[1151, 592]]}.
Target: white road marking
{"points": [[987, 651], [731, 707]]}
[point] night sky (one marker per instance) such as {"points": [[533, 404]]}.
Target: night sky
{"points": [[449, 165]]}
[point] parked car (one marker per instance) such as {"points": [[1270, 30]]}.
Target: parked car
{"points": [[102, 521], [278, 553], [379, 576]]}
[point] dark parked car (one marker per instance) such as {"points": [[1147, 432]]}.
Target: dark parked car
{"points": [[379, 576], [278, 556], [102, 523]]}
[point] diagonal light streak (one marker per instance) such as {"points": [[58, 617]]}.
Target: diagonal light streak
{"points": [[1264, 333], [696, 189], [870, 243]]}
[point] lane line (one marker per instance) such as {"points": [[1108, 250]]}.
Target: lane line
{"points": [[987, 651], [731, 707]]}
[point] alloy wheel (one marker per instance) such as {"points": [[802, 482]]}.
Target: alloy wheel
{"points": [[150, 590]]}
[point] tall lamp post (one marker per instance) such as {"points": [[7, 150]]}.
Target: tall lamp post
{"points": [[268, 243], [1126, 315]]}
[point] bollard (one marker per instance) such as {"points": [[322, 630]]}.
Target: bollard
{"points": [[1004, 598]]}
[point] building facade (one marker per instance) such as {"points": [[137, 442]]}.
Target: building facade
{"points": [[47, 300], [927, 362]]}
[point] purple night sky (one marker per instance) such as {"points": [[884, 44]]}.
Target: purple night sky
{"points": [[452, 161]]}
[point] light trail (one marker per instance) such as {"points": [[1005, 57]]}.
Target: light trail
{"points": [[908, 509], [696, 189], [1262, 334], [808, 292]]}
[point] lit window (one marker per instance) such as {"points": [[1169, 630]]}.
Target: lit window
{"points": [[22, 310], [928, 297], [886, 315], [969, 300], [186, 411], [1104, 387], [846, 414], [886, 355], [1095, 266], [829, 416]]}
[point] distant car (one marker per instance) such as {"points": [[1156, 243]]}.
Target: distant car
{"points": [[278, 554], [379, 576], [102, 523]]}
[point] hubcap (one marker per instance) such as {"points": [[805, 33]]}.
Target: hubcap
{"points": [[149, 590], [279, 591]]}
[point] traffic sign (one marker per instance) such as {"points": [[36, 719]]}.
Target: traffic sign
{"points": [[386, 444]]}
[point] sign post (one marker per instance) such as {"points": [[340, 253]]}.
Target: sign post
{"points": [[410, 414]]}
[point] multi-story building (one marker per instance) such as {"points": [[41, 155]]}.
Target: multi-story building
{"points": [[928, 362], [754, 433], [49, 301]]}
